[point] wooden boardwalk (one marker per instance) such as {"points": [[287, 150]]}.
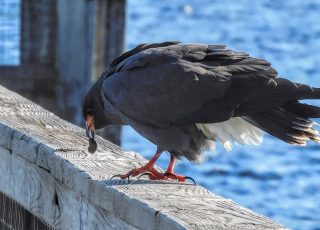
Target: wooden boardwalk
{"points": [[46, 168]]}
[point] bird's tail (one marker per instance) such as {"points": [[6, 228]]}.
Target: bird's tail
{"points": [[298, 91], [291, 121]]}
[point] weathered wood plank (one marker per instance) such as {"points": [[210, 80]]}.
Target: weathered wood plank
{"points": [[45, 166]]}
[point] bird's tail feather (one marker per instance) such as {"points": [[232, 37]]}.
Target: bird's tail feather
{"points": [[289, 122], [297, 91], [303, 110], [285, 92], [290, 91]]}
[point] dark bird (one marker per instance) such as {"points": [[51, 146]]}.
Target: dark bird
{"points": [[185, 97]]}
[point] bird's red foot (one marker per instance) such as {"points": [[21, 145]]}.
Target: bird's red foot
{"points": [[135, 172], [148, 168], [153, 174], [167, 176]]}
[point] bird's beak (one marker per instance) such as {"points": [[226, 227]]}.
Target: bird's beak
{"points": [[90, 129]]}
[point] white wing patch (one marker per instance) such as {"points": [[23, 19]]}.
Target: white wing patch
{"points": [[235, 129]]}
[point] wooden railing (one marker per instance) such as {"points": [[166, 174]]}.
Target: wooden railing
{"points": [[45, 168]]}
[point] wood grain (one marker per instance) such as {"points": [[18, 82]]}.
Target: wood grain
{"points": [[45, 166]]}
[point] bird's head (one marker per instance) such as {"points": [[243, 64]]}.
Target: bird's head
{"points": [[93, 110]]}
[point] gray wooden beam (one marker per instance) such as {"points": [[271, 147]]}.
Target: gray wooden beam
{"points": [[74, 55], [109, 41], [36, 75], [45, 167], [38, 32]]}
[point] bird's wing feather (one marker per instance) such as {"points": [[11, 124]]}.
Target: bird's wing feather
{"points": [[138, 49], [176, 83]]}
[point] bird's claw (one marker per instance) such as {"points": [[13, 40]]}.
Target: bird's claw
{"points": [[179, 177], [126, 176], [114, 176], [154, 175], [144, 174], [190, 178], [166, 176], [170, 175]]}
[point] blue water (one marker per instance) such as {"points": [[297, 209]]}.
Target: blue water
{"points": [[275, 179], [9, 32]]}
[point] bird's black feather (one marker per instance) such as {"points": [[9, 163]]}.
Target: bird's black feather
{"points": [[202, 83], [163, 89]]}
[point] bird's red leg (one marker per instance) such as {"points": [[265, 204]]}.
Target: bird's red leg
{"points": [[171, 165], [149, 167], [170, 174]]}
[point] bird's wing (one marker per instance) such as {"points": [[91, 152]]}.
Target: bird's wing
{"points": [[176, 83], [134, 51]]}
